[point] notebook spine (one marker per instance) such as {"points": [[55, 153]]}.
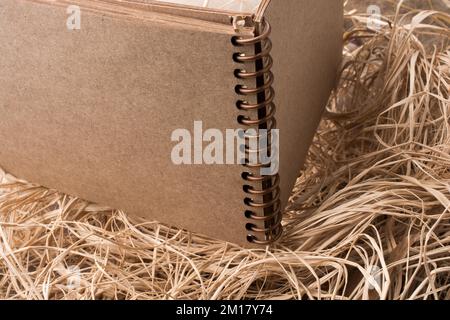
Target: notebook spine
{"points": [[262, 191]]}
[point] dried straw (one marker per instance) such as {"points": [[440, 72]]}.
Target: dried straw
{"points": [[369, 218]]}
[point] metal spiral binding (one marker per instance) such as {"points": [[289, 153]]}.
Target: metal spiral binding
{"points": [[264, 228]]}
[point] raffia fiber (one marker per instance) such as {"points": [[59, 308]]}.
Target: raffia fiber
{"points": [[369, 217]]}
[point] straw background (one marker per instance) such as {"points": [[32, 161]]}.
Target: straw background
{"points": [[369, 216]]}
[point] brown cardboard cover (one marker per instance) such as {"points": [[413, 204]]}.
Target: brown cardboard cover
{"points": [[307, 50]]}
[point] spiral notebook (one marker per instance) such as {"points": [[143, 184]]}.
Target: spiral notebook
{"points": [[118, 102]]}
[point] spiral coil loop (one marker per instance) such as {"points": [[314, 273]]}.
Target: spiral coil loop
{"points": [[263, 228]]}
